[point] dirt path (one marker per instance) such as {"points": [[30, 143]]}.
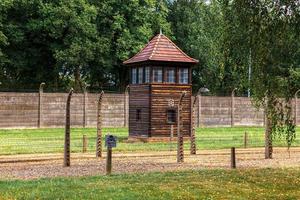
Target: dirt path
{"points": [[51, 165]]}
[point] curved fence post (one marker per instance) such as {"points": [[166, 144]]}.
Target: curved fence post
{"points": [[40, 104], [193, 135], [99, 127], [180, 153], [67, 131]]}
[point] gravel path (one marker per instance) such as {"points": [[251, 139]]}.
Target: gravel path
{"points": [[51, 165]]}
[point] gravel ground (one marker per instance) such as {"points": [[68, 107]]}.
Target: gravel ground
{"points": [[51, 165]]}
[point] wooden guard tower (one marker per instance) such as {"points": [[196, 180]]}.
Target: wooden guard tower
{"points": [[159, 74]]}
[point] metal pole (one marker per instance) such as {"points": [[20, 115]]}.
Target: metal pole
{"points": [[180, 154], [99, 127], [232, 107], [67, 131], [296, 106], [126, 106], [40, 104]]}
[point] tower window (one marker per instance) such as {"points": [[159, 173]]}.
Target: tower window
{"points": [[138, 114], [171, 116], [170, 75], [157, 75], [147, 74], [140, 75], [133, 75], [184, 75]]}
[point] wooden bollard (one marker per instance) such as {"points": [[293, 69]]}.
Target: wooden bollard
{"points": [[108, 160], [84, 144], [233, 158], [245, 140]]}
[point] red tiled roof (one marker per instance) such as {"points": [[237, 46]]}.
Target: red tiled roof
{"points": [[161, 48]]}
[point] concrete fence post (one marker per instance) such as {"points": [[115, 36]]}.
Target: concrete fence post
{"points": [[232, 107], [84, 107], [199, 109], [180, 153], [126, 104], [193, 134], [67, 131], [296, 106], [40, 104], [99, 127]]}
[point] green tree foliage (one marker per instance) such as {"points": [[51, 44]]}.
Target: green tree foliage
{"points": [[273, 37]]}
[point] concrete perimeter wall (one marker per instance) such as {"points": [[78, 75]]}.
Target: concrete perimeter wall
{"points": [[20, 110]]}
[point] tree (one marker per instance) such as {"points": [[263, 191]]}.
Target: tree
{"points": [[273, 37]]}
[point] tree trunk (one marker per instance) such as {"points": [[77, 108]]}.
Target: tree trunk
{"points": [[268, 138]]}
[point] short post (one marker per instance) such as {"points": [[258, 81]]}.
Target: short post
{"points": [[233, 158], [84, 144], [180, 154], [110, 142], [171, 136], [126, 106], [99, 127], [245, 140], [108, 160], [67, 132], [40, 104]]}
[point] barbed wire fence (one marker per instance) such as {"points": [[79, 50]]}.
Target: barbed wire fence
{"points": [[47, 111]]}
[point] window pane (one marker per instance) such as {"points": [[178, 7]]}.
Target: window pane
{"points": [[138, 114], [147, 75], [184, 75], [140, 75], [170, 76], [171, 115], [133, 76], [157, 75]]}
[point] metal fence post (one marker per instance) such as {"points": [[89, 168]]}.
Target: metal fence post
{"points": [[171, 136], [67, 131], [180, 154], [99, 127], [40, 104]]}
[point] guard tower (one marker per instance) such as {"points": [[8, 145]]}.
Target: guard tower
{"points": [[159, 74]]}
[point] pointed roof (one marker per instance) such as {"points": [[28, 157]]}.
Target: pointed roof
{"points": [[161, 48]]}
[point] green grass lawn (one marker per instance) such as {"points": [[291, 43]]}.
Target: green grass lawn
{"points": [[18, 141], [202, 184]]}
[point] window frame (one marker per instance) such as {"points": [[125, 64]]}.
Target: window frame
{"points": [[147, 79], [140, 71]]}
